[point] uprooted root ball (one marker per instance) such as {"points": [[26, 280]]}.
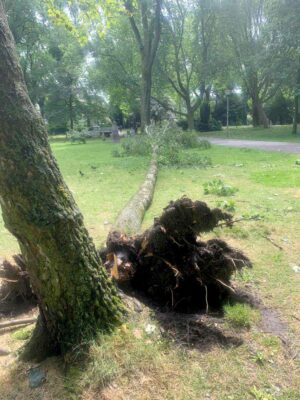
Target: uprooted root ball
{"points": [[170, 264]]}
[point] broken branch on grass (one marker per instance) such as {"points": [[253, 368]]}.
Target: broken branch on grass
{"points": [[272, 241]]}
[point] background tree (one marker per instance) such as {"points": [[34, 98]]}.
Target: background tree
{"points": [[185, 56], [247, 25], [286, 31], [147, 33], [75, 296]]}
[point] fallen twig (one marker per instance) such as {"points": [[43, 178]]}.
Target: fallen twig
{"points": [[272, 241], [234, 221]]}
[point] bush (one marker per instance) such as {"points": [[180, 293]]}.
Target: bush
{"points": [[169, 155], [172, 156], [215, 125], [218, 187], [212, 125], [136, 146], [183, 124]]}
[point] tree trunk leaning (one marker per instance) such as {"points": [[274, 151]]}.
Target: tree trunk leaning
{"points": [[130, 218], [76, 298]]}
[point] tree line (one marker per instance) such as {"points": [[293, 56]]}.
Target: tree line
{"points": [[137, 60]]}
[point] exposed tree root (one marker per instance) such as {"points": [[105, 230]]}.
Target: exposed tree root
{"points": [[14, 283], [171, 265]]}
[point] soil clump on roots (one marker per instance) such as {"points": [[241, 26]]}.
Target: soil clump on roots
{"points": [[171, 265]]}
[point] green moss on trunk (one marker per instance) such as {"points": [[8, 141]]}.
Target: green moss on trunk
{"points": [[75, 295]]}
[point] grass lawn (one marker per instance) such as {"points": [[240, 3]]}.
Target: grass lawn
{"points": [[132, 364], [278, 133]]}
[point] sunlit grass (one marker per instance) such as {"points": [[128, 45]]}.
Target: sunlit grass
{"points": [[130, 364]]}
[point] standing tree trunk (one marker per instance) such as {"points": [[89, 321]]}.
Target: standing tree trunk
{"points": [[296, 115], [296, 103], [146, 97], [190, 118], [76, 298], [71, 114], [147, 37], [258, 113]]}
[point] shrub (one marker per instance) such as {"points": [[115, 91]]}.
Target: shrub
{"points": [[212, 125], [136, 146], [218, 187], [215, 125], [183, 124], [169, 155]]}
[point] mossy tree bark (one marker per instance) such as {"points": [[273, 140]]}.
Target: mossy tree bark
{"points": [[75, 295]]}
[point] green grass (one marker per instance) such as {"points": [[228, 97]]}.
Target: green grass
{"points": [[278, 133], [240, 315], [131, 364]]}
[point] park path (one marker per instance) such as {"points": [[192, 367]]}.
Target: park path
{"points": [[284, 147]]}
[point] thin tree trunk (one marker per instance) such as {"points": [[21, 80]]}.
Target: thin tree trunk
{"points": [[130, 218], [75, 296], [297, 103], [71, 114], [296, 115]]}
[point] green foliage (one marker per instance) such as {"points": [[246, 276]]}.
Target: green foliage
{"points": [[259, 394], [212, 125], [240, 315], [136, 146], [219, 188], [173, 156], [23, 333], [227, 205]]}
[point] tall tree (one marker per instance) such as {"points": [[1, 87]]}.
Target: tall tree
{"points": [[76, 298], [147, 33], [186, 53], [246, 23], [284, 18]]}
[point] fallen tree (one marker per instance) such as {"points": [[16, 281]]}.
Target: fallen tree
{"points": [[170, 264], [130, 218]]}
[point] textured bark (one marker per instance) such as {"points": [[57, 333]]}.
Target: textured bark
{"points": [[146, 97], [190, 119], [131, 217], [75, 296], [258, 113]]}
